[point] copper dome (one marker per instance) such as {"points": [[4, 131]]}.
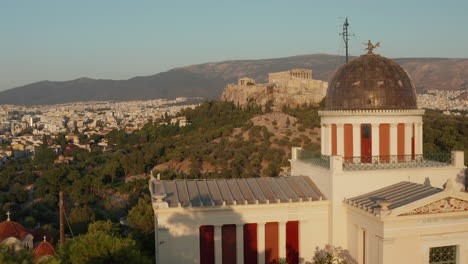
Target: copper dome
{"points": [[371, 82]]}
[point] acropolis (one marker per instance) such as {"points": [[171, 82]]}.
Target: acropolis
{"points": [[292, 88]]}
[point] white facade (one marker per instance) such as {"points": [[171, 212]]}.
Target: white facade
{"points": [[178, 229], [393, 237], [389, 237], [330, 221]]}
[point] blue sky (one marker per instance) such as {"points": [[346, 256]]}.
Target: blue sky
{"points": [[116, 39]]}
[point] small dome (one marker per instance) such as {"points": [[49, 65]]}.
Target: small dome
{"points": [[12, 229], [42, 250], [371, 82]]}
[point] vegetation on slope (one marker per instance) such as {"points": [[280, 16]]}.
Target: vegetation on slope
{"points": [[223, 141]]}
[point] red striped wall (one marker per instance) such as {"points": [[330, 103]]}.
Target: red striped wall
{"points": [[292, 242], [207, 252], [250, 244], [366, 143], [271, 243], [348, 142], [333, 142], [384, 142], [229, 244]]}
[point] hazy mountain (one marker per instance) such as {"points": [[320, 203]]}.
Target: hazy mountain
{"points": [[208, 79]]}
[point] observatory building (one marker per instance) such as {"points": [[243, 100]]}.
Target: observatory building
{"points": [[372, 190]]}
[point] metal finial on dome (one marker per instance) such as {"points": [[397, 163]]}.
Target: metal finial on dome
{"points": [[45, 238], [371, 47], [8, 215]]}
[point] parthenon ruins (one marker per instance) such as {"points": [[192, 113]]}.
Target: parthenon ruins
{"points": [[293, 87]]}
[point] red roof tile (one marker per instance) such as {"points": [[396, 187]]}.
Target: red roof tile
{"points": [[43, 249], [12, 229]]}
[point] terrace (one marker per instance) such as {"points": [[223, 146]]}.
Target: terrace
{"points": [[379, 162]]}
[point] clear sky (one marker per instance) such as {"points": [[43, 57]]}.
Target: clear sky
{"points": [[116, 39]]}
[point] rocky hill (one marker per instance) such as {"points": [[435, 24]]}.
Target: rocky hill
{"points": [[208, 79], [285, 131]]}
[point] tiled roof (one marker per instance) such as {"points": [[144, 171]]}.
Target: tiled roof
{"points": [[397, 195], [198, 193], [12, 229], [43, 249]]}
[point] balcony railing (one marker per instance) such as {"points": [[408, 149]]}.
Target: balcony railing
{"points": [[379, 162], [397, 161], [313, 158]]}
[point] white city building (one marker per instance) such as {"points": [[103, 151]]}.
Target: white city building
{"points": [[371, 190]]}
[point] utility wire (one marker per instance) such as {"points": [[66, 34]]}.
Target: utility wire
{"points": [[68, 223]]}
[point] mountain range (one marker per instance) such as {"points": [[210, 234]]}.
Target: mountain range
{"points": [[208, 79]]}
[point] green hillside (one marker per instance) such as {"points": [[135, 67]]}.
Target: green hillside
{"points": [[223, 141]]}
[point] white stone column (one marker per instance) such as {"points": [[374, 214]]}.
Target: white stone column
{"points": [[240, 243], [295, 152], [328, 139], [218, 244], [393, 139], [340, 139], [421, 138], [356, 140], [196, 244], [418, 140], [322, 139], [282, 240], [375, 139], [261, 242], [408, 135]]}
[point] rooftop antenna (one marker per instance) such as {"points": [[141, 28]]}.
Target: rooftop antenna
{"points": [[346, 36]]}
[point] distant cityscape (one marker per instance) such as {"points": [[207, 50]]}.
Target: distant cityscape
{"points": [[22, 128], [454, 102]]}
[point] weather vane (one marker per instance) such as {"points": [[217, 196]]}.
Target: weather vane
{"points": [[371, 47]]}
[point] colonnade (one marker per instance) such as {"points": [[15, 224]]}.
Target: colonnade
{"points": [[333, 138], [263, 238], [302, 75]]}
